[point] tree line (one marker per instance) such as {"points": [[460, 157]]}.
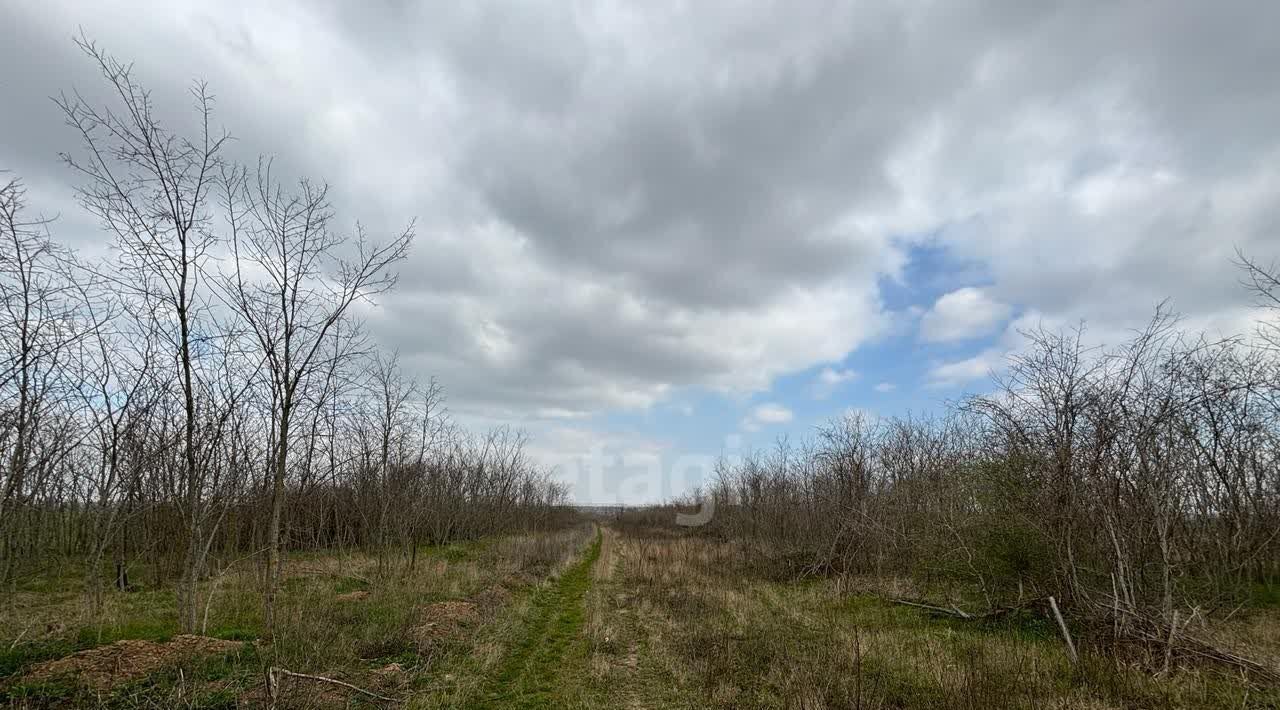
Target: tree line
{"points": [[1132, 483], [206, 392]]}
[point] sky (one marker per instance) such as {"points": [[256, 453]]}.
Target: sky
{"points": [[653, 233]]}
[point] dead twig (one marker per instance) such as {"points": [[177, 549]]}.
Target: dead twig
{"points": [[272, 683], [1173, 638], [19, 639]]}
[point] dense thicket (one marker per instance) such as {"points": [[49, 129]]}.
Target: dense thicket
{"points": [[206, 391], [1138, 481]]}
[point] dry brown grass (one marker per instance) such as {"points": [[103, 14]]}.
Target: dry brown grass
{"points": [[665, 621], [441, 623], [710, 634]]}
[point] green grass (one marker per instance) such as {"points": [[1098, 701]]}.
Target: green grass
{"points": [[12, 659], [702, 633], [604, 620], [321, 627], [533, 674], [1265, 595]]}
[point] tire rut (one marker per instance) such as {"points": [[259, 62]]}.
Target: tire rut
{"points": [[529, 675]]}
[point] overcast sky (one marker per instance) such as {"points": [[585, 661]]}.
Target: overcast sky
{"points": [[676, 228]]}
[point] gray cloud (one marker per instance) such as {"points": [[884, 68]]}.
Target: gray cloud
{"points": [[617, 201]]}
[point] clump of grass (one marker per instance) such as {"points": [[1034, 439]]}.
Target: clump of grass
{"points": [[1265, 596], [15, 657]]}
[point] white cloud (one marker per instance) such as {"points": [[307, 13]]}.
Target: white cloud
{"points": [[829, 380], [772, 414], [963, 314], [885, 387], [961, 372], [766, 414], [607, 467]]}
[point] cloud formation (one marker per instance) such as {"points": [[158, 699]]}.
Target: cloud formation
{"points": [[963, 372], [621, 202], [962, 314], [766, 414], [829, 380]]}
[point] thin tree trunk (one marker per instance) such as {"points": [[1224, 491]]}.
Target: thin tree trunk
{"points": [[277, 505]]}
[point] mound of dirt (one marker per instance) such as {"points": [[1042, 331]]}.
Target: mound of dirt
{"points": [[103, 667], [444, 620]]}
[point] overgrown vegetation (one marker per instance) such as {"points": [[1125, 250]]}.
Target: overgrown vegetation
{"points": [[434, 635], [686, 621], [203, 397], [1133, 490]]}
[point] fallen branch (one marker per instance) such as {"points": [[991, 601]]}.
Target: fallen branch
{"points": [[1179, 640], [1204, 650], [1173, 638], [958, 613], [1129, 625], [953, 611], [272, 688]]}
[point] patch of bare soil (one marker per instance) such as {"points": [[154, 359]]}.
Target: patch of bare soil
{"points": [[103, 667], [444, 620]]}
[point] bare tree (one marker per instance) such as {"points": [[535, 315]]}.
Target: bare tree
{"points": [[151, 188], [161, 410], [117, 393], [37, 332], [291, 287], [1263, 282]]}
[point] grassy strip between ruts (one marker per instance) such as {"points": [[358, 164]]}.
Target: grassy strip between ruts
{"points": [[531, 674]]}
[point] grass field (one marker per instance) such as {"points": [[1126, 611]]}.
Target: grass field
{"points": [[587, 618], [679, 625]]}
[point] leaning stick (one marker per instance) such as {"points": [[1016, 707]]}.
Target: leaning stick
{"points": [[1066, 635]]}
